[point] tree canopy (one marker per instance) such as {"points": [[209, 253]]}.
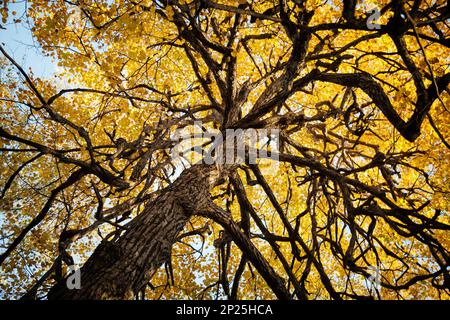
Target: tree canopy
{"points": [[361, 186]]}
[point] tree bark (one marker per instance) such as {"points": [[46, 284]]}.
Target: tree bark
{"points": [[119, 269]]}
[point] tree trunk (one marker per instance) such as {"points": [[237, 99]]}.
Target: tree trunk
{"points": [[119, 269]]}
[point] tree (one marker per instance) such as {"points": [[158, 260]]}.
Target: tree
{"points": [[361, 181]]}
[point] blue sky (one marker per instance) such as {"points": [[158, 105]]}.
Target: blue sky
{"points": [[18, 41]]}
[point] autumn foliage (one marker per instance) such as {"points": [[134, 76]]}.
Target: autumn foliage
{"points": [[362, 181]]}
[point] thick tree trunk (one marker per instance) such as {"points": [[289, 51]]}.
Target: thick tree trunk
{"points": [[119, 269]]}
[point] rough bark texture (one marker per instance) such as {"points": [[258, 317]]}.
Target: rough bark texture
{"points": [[119, 269]]}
